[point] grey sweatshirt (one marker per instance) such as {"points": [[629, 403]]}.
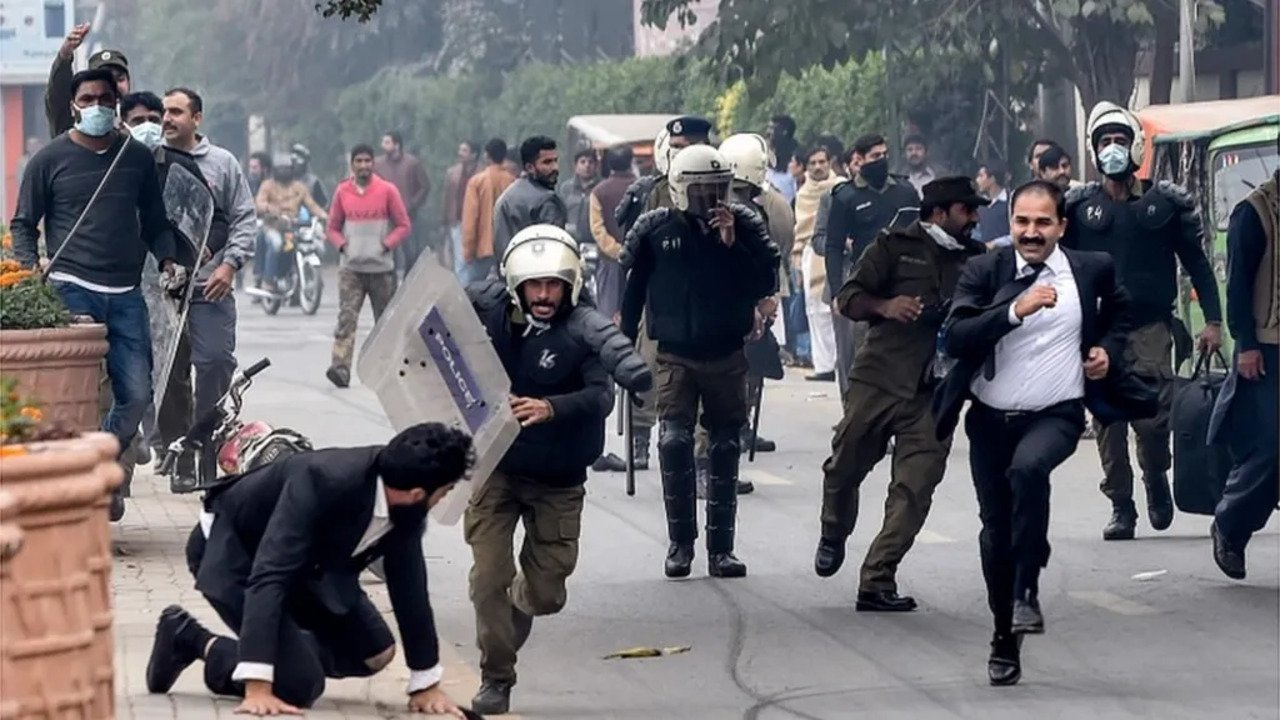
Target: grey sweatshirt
{"points": [[231, 195], [522, 204]]}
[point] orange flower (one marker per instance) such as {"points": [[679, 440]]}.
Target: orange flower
{"points": [[10, 279], [8, 266], [12, 450], [32, 413], [7, 242]]}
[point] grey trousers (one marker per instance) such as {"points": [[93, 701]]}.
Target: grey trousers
{"points": [[849, 335], [211, 327]]}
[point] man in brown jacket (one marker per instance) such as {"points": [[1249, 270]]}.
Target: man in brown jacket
{"points": [[405, 172], [455, 188], [478, 202]]}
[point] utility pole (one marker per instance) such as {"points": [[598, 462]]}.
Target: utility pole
{"points": [[1187, 49]]}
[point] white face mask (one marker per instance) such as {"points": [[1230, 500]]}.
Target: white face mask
{"points": [[1114, 160], [148, 133]]}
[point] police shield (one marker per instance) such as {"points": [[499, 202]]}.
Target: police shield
{"points": [[430, 360], [189, 206]]}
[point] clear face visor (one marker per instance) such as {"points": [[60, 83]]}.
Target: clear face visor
{"points": [[705, 197]]}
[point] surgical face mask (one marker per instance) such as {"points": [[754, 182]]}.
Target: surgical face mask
{"points": [[148, 133], [1113, 161], [876, 173], [96, 120]]}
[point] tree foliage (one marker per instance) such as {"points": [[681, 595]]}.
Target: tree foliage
{"points": [[1094, 43]]}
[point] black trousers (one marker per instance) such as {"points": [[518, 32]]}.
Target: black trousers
{"points": [[1011, 455], [1251, 492], [314, 642]]}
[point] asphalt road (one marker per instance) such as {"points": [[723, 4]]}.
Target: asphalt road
{"points": [[1142, 629]]}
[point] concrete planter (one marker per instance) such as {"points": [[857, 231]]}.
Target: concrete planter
{"points": [[56, 645], [60, 368]]}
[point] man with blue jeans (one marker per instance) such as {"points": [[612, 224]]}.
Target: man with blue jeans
{"points": [[97, 248]]}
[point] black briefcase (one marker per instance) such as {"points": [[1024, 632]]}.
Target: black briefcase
{"points": [[1199, 468], [764, 357]]}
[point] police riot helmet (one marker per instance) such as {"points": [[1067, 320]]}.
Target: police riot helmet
{"points": [[542, 251], [662, 151], [748, 156], [1109, 117], [700, 178]]}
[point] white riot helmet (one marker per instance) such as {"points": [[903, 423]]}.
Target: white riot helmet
{"points": [[662, 151], [542, 251], [1109, 116], [748, 156], [699, 179]]}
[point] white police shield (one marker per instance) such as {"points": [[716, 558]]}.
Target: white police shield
{"points": [[430, 360], [188, 204]]}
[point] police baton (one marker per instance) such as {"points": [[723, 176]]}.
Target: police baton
{"points": [[627, 438], [622, 404]]}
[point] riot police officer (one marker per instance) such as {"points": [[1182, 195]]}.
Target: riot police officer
{"points": [[559, 355], [697, 271], [1148, 229]]}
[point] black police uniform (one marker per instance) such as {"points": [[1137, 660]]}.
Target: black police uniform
{"points": [[1147, 235], [698, 297]]}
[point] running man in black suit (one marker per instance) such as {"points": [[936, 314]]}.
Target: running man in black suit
{"points": [[278, 553], [1037, 332]]}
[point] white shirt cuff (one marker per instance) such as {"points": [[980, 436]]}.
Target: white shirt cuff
{"points": [[254, 671], [1013, 315], [420, 680]]}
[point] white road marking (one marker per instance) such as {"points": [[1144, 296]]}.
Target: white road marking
{"points": [[1113, 602], [762, 477]]}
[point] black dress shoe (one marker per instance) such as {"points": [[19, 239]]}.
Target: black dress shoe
{"points": [[725, 565], [180, 640], [1159, 502], [829, 558], [746, 487], [679, 560], [339, 376], [1124, 519], [763, 445], [1027, 619], [523, 624], [1230, 560], [821, 377], [884, 601], [1004, 666], [494, 697], [609, 463]]}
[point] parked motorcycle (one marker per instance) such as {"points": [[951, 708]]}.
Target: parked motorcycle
{"points": [[237, 446], [300, 282]]}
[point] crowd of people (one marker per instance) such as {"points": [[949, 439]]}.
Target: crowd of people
{"points": [[917, 292]]}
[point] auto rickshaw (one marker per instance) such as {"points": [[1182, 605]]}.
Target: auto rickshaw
{"points": [[601, 132], [1220, 151]]}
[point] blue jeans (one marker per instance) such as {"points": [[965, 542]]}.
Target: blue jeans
{"points": [[128, 352], [455, 243], [273, 244]]}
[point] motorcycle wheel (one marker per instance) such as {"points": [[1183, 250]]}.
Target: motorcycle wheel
{"points": [[312, 289]]}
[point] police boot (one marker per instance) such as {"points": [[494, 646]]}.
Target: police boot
{"points": [[675, 454], [1124, 518], [1159, 502], [722, 506], [640, 449]]}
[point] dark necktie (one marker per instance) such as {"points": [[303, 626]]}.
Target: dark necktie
{"points": [[1027, 280]]}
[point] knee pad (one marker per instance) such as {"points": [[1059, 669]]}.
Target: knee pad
{"points": [[724, 442], [382, 659], [675, 437]]}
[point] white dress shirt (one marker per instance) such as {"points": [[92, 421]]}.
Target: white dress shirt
{"points": [[1038, 363], [379, 526]]}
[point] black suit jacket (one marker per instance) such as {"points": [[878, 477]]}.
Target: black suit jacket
{"points": [[980, 317], [293, 526]]}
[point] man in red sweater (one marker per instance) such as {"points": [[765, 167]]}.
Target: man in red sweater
{"points": [[367, 221]]}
